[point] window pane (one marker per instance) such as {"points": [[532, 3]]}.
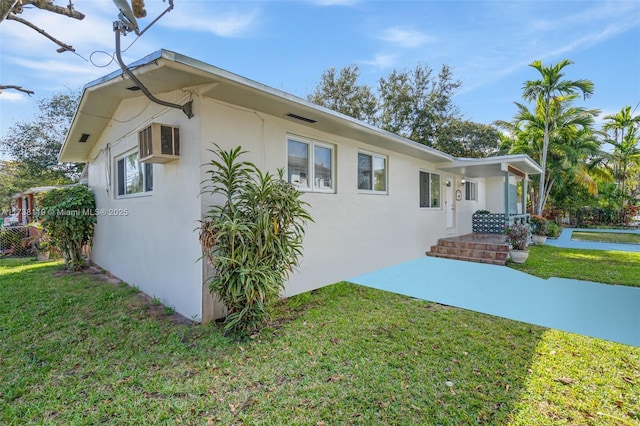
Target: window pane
{"points": [[364, 171], [435, 190], [470, 191], [120, 176], [148, 177], [322, 167], [133, 174], [424, 189], [380, 173], [298, 163]]}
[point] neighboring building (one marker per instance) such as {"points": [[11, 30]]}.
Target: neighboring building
{"points": [[377, 198], [25, 202]]}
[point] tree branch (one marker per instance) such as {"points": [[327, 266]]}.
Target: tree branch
{"points": [[6, 7], [63, 46], [18, 88], [48, 5]]}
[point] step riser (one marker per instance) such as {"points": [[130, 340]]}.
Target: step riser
{"points": [[479, 254], [473, 246], [468, 259], [472, 251]]}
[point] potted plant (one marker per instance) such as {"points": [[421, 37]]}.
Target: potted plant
{"points": [[518, 236], [539, 227]]}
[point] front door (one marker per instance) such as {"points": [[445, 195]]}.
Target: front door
{"points": [[450, 203]]}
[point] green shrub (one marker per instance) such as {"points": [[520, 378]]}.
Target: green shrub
{"points": [[253, 239], [553, 230], [69, 220]]}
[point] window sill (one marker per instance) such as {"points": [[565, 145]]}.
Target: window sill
{"points": [[136, 195], [365, 192]]}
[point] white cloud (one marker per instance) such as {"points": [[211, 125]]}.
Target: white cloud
{"points": [[335, 2], [381, 60], [12, 96], [221, 23], [406, 38], [56, 73]]}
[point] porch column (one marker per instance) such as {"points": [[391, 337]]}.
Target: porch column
{"points": [[31, 203], [506, 198], [19, 200], [525, 181]]}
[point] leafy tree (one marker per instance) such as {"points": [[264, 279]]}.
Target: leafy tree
{"points": [[341, 93], [253, 239], [412, 103], [550, 89], [570, 138], [69, 221], [416, 104], [35, 145], [467, 139], [10, 184], [626, 151]]}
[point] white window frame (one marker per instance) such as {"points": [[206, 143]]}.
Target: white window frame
{"points": [[312, 184], [386, 172], [440, 192], [143, 171], [471, 184]]}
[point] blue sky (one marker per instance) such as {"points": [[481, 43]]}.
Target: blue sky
{"points": [[288, 44]]}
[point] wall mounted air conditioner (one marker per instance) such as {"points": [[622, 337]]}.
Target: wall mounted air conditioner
{"points": [[159, 143]]}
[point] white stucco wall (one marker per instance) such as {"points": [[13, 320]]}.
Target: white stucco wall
{"points": [[353, 232], [148, 241], [155, 248], [465, 209], [495, 194]]}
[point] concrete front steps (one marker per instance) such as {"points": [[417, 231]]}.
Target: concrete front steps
{"points": [[481, 248]]}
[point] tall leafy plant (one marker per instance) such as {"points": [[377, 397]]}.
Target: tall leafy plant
{"points": [[550, 88], [69, 219], [252, 237]]}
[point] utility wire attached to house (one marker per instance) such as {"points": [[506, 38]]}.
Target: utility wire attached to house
{"points": [[127, 23]]}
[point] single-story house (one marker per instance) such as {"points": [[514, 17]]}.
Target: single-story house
{"points": [[377, 199], [25, 202]]}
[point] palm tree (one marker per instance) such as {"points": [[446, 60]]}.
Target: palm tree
{"points": [[620, 122], [625, 146], [625, 153], [547, 90], [570, 142]]}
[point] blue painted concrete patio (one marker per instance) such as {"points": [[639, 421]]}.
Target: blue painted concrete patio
{"points": [[564, 240], [598, 310]]}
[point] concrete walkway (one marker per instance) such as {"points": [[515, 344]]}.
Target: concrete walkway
{"points": [[604, 311], [564, 240]]}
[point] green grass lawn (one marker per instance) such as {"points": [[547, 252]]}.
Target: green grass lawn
{"points": [[609, 267], [75, 349], [607, 237]]}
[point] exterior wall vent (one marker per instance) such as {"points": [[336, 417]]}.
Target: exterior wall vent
{"points": [[84, 137], [159, 143], [299, 117]]}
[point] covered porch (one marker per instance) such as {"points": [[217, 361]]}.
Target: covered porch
{"points": [[506, 188]]}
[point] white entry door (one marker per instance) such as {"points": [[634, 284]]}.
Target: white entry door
{"points": [[450, 203]]}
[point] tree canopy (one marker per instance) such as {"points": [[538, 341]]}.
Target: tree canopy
{"points": [[33, 147], [551, 87], [414, 103]]}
